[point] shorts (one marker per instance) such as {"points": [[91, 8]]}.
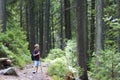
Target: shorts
{"points": [[36, 63]]}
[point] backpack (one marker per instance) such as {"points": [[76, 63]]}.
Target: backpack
{"points": [[32, 56]]}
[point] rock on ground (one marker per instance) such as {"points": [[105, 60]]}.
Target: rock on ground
{"points": [[9, 71]]}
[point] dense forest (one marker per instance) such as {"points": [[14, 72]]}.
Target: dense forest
{"points": [[79, 37]]}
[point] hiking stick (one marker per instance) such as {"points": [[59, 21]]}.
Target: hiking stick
{"points": [[41, 66]]}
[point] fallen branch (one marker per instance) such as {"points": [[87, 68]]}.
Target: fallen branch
{"points": [[5, 63]]}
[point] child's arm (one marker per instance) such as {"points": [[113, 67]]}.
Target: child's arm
{"points": [[36, 54]]}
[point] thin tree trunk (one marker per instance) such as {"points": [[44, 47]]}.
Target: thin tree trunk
{"points": [[32, 25], [99, 26], [3, 15], [53, 40], [67, 19], [41, 27], [118, 16], [47, 27], [92, 33], [27, 23], [61, 25], [36, 26], [81, 16], [21, 4]]}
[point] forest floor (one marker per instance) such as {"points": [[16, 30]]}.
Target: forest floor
{"points": [[26, 73]]}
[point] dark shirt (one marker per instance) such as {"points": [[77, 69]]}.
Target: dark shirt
{"points": [[37, 57]]}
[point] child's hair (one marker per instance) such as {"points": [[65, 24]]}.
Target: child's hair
{"points": [[36, 45]]}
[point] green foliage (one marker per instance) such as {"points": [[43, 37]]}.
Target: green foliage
{"points": [[15, 59], [13, 45], [111, 31], [62, 62], [70, 53], [109, 67], [55, 53], [110, 10], [54, 77], [58, 68]]}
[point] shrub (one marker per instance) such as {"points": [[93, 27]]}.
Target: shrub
{"points": [[54, 77], [55, 53], [58, 68], [63, 61], [109, 67], [13, 44], [70, 53]]}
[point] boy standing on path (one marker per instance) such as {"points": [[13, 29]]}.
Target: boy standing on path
{"points": [[36, 55]]}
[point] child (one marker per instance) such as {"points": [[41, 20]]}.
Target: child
{"points": [[36, 55]]}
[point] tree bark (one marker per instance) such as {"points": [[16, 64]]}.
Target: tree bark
{"points": [[61, 25], [67, 19], [27, 23], [41, 27], [99, 26], [92, 31], [21, 5], [81, 17], [99, 30], [32, 24], [53, 40], [118, 16], [3, 15], [47, 27]]}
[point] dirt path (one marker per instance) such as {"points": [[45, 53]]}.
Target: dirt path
{"points": [[26, 74]]}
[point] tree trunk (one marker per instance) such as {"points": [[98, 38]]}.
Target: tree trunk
{"points": [[41, 27], [99, 26], [47, 27], [27, 23], [32, 24], [36, 25], [61, 26], [67, 19], [53, 40], [21, 4], [92, 33], [3, 15], [99, 29], [118, 16], [81, 16]]}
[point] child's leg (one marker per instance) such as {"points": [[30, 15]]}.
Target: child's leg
{"points": [[36, 68], [36, 65]]}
